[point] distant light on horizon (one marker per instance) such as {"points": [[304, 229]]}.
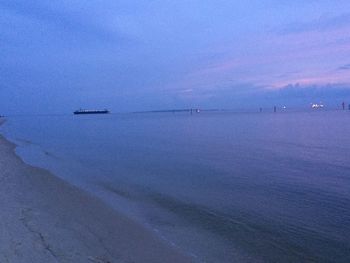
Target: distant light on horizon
{"points": [[317, 106]]}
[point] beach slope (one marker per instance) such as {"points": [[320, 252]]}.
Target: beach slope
{"points": [[44, 219]]}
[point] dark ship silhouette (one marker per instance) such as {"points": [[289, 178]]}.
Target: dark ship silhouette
{"points": [[82, 111]]}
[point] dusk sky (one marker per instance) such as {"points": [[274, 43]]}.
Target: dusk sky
{"points": [[128, 55]]}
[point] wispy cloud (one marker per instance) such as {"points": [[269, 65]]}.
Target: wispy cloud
{"points": [[67, 20], [323, 23], [344, 67]]}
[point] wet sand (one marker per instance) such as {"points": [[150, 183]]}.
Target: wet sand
{"points": [[45, 219]]}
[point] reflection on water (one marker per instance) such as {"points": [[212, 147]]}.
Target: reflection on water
{"points": [[223, 186]]}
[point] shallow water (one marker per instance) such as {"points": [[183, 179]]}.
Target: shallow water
{"points": [[225, 187]]}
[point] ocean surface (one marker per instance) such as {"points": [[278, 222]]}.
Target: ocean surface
{"points": [[221, 186]]}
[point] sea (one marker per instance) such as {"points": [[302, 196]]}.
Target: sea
{"points": [[220, 186]]}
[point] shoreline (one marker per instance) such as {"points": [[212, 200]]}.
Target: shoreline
{"points": [[45, 219]]}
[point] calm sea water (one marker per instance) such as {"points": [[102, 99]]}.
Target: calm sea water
{"points": [[224, 187]]}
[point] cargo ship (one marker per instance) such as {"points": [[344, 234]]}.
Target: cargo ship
{"points": [[81, 111]]}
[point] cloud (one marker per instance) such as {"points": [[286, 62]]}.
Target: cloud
{"points": [[328, 91], [344, 67], [68, 20], [323, 23], [250, 96]]}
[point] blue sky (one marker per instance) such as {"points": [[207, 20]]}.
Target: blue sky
{"points": [[128, 55]]}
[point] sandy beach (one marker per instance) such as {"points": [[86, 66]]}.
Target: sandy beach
{"points": [[44, 219]]}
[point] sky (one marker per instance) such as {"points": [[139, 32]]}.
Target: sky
{"points": [[126, 55]]}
